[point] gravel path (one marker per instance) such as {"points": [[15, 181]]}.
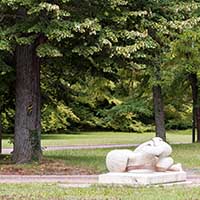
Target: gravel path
{"points": [[75, 179], [71, 147], [79, 180]]}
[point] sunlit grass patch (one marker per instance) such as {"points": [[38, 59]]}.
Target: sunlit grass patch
{"points": [[95, 138], [54, 192]]}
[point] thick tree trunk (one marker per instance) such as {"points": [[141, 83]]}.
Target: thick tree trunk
{"points": [[27, 146], [196, 106], [159, 112]]}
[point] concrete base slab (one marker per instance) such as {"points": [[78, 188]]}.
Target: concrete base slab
{"points": [[145, 178]]}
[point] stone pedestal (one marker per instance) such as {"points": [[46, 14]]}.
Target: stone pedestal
{"points": [[142, 178]]}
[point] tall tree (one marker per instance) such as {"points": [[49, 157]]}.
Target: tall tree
{"points": [[32, 29], [185, 53], [23, 29], [163, 25], [193, 79]]}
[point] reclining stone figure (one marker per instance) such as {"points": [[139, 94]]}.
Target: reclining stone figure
{"points": [[153, 155]]}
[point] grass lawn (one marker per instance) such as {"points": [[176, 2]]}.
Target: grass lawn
{"points": [[187, 154], [94, 161], [89, 138], [55, 192], [73, 162]]}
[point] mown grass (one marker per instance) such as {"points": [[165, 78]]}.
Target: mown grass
{"points": [[55, 192], [187, 154], [89, 138], [92, 161]]}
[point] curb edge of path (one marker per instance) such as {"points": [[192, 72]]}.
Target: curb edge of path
{"points": [[68, 179], [72, 179]]}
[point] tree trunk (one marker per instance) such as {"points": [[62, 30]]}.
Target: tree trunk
{"points": [[1, 134], [193, 123], [159, 112], [198, 122], [196, 105], [27, 146]]}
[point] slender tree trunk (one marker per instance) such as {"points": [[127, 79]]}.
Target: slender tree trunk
{"points": [[196, 106], [27, 146], [158, 106], [159, 112], [198, 122], [1, 134], [193, 83], [193, 123]]}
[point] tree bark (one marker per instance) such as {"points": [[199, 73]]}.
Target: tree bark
{"points": [[198, 122], [196, 106], [1, 134], [159, 112], [27, 145], [193, 124]]}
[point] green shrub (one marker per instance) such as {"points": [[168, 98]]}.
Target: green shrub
{"points": [[8, 120], [57, 117], [178, 118]]}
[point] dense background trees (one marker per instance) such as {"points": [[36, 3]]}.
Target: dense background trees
{"points": [[110, 65]]}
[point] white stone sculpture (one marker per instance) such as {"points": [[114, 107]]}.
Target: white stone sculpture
{"points": [[153, 155]]}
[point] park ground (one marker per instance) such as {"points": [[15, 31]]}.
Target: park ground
{"points": [[55, 192], [92, 161]]}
